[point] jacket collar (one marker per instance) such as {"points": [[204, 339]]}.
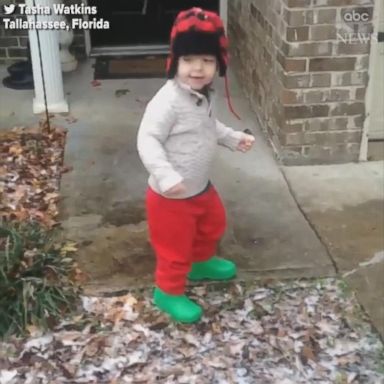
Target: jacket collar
{"points": [[188, 89]]}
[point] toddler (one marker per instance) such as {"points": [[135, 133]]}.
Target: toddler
{"points": [[177, 139]]}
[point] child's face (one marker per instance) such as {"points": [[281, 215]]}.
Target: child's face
{"points": [[196, 70]]}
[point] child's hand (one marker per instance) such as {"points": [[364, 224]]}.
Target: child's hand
{"points": [[176, 190], [245, 143]]}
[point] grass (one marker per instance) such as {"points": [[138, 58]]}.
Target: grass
{"points": [[37, 278]]}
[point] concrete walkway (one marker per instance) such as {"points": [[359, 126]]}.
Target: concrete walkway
{"points": [[345, 204]]}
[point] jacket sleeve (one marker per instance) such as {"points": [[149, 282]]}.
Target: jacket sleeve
{"points": [[154, 129], [227, 136]]}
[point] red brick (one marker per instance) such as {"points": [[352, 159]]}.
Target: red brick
{"points": [[320, 80], [359, 121], [307, 49], [305, 111], [354, 48], [344, 137], [297, 33], [294, 127], [291, 150], [318, 152], [326, 124], [321, 138], [360, 93], [300, 138], [294, 18], [296, 81], [297, 3], [292, 65], [321, 16], [323, 32], [338, 95], [350, 78], [362, 63], [315, 125], [332, 64], [349, 109], [289, 97], [314, 96]]}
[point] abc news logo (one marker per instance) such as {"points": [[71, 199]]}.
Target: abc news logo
{"points": [[359, 20], [359, 15]]}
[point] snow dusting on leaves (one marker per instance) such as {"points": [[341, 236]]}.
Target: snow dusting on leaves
{"points": [[273, 333]]}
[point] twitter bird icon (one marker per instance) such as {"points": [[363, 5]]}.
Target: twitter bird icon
{"points": [[9, 9]]}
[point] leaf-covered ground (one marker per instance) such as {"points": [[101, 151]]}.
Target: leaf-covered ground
{"points": [[31, 164], [282, 333]]}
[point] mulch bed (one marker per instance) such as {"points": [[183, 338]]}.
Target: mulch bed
{"points": [[31, 164]]}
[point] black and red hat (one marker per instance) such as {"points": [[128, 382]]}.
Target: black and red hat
{"points": [[194, 32]]}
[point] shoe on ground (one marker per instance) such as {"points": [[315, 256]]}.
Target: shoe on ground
{"points": [[179, 307], [215, 268]]}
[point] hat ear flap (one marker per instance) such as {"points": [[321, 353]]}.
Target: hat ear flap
{"points": [[171, 66]]}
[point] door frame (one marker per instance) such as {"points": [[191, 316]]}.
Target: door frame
{"points": [[373, 63], [139, 49]]}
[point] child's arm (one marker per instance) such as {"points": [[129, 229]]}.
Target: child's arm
{"points": [[154, 130], [227, 136], [234, 140]]}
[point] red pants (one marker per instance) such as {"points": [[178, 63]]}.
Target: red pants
{"points": [[183, 231]]}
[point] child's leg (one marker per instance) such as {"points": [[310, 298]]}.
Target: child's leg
{"points": [[210, 228], [172, 226]]}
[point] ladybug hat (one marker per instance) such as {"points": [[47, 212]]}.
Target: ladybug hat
{"points": [[197, 32]]}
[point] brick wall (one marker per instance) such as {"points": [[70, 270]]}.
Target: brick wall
{"points": [[13, 44], [306, 83]]}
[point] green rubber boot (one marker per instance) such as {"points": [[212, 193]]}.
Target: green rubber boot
{"points": [[178, 307], [215, 268]]}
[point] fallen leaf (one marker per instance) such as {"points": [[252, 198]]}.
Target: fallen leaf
{"points": [[71, 120], [307, 354], [7, 376], [191, 339], [69, 370], [66, 169], [217, 362], [121, 92], [68, 247]]}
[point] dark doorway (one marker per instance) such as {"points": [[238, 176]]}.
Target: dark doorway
{"points": [[140, 22]]}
